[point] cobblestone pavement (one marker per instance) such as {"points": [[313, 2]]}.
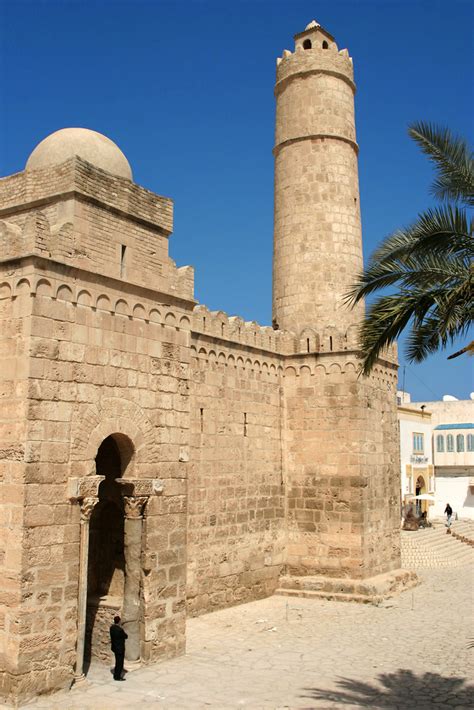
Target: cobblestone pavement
{"points": [[410, 652]]}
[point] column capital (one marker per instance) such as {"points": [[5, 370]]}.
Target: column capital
{"points": [[134, 506], [87, 506], [140, 486], [85, 487]]}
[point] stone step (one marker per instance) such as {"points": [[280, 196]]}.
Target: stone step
{"points": [[446, 562], [453, 559], [431, 535], [432, 547], [444, 546], [449, 558], [459, 526], [438, 548]]}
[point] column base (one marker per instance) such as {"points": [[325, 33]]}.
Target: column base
{"points": [[366, 591], [131, 666], [80, 680]]}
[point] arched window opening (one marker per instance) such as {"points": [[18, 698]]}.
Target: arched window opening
{"points": [[470, 442], [440, 443], [460, 442], [450, 443], [106, 567], [307, 44], [325, 45], [114, 454]]}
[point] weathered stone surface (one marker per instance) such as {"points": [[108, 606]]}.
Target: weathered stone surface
{"points": [[158, 459]]}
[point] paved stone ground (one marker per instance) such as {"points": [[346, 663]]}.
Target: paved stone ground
{"points": [[278, 653]]}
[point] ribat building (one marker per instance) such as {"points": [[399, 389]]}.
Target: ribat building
{"points": [[157, 459]]}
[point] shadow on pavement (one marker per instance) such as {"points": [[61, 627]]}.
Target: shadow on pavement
{"points": [[402, 689]]}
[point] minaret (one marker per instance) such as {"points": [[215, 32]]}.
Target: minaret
{"points": [[341, 467], [317, 240]]}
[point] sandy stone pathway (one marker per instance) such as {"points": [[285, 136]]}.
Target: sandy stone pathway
{"points": [[410, 652]]}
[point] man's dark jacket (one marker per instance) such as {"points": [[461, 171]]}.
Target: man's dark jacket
{"points": [[117, 638]]}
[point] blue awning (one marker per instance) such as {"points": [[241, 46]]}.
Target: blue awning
{"points": [[455, 426]]}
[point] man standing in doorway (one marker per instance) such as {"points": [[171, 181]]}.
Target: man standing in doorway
{"points": [[117, 641]]}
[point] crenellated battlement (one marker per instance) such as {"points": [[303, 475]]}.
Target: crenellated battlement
{"points": [[301, 62], [315, 51], [217, 324], [234, 330]]}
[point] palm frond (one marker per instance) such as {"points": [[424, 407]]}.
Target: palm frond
{"points": [[468, 349], [428, 265], [407, 268], [453, 161]]}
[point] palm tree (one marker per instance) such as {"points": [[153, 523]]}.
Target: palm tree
{"points": [[428, 266]]}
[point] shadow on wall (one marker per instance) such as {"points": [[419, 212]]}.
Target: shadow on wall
{"points": [[402, 689]]}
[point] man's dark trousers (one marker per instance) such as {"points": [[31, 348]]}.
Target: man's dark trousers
{"points": [[119, 660]]}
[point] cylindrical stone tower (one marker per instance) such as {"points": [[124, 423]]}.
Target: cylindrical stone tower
{"points": [[317, 241]]}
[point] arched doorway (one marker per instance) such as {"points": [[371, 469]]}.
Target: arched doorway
{"points": [[106, 566], [420, 488]]}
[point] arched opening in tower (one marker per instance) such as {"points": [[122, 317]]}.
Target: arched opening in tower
{"points": [[307, 44], [106, 568]]}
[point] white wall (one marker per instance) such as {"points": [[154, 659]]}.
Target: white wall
{"points": [[452, 470], [409, 423], [455, 491], [450, 412]]}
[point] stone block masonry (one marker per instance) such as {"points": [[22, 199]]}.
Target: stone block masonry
{"points": [[157, 459]]}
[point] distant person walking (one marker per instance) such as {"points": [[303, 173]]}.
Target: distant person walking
{"points": [[117, 642], [449, 514]]}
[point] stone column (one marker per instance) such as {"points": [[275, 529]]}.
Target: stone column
{"points": [[87, 506], [134, 507]]}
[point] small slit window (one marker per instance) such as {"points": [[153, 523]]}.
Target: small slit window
{"points": [[325, 45], [123, 252], [307, 44]]}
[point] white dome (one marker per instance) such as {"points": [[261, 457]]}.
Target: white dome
{"points": [[89, 145]]}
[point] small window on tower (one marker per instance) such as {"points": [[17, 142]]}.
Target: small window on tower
{"points": [[325, 45], [123, 252], [307, 44]]}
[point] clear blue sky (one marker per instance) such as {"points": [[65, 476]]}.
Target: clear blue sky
{"points": [[186, 90]]}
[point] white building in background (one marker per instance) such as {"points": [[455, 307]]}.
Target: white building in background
{"points": [[416, 453], [450, 433]]}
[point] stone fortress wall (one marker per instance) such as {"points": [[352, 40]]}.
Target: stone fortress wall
{"points": [[88, 353], [236, 491], [240, 459]]}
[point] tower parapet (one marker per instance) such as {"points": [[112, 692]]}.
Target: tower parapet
{"points": [[317, 242]]}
